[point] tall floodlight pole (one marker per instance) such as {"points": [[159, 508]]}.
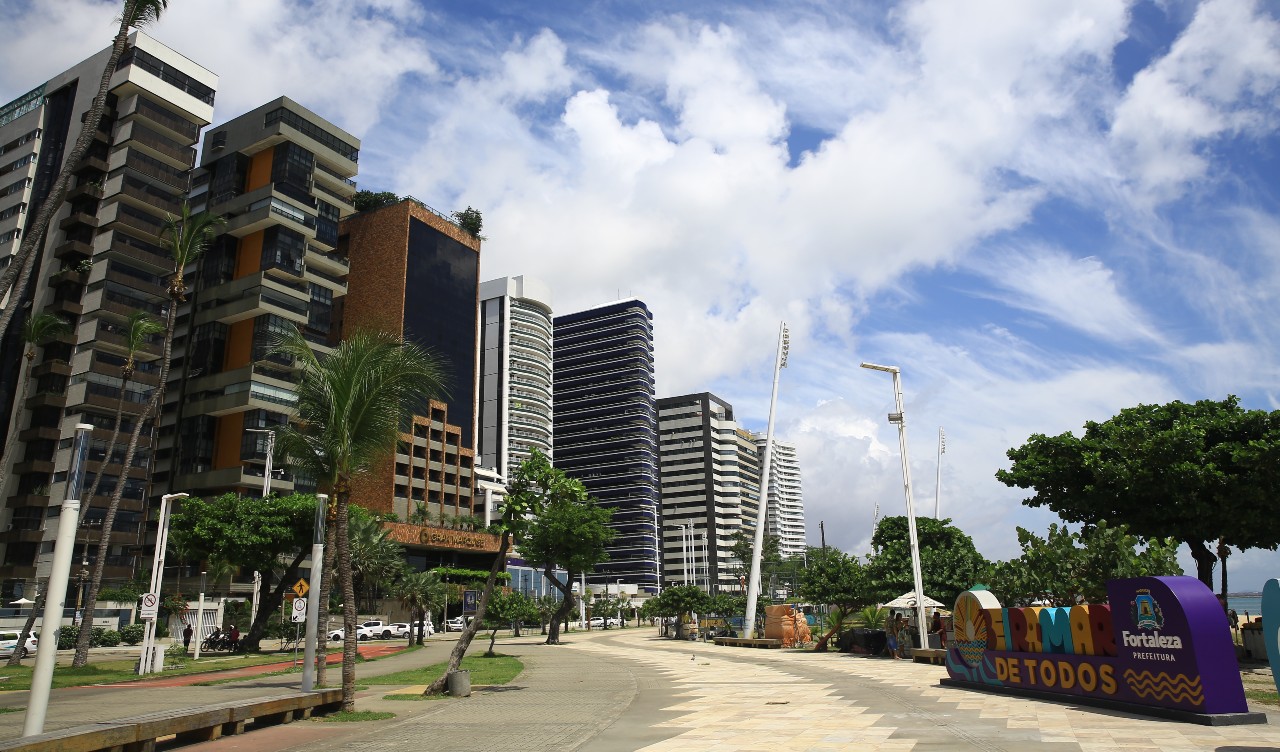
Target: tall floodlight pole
{"points": [[706, 561], [937, 488], [266, 491], [55, 596], [313, 595], [901, 421], [753, 583]]}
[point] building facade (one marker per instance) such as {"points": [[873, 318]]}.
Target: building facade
{"points": [[785, 512], [280, 175], [100, 261], [515, 389], [710, 485], [416, 274], [605, 426]]}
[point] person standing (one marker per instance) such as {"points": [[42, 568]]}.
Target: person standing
{"points": [[234, 634], [186, 637], [891, 634]]}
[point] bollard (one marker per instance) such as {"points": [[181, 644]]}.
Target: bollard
{"points": [[458, 683]]}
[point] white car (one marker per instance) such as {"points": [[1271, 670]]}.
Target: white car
{"points": [[9, 639], [456, 624], [404, 629], [362, 633]]}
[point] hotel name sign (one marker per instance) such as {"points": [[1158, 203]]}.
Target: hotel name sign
{"points": [[442, 537]]}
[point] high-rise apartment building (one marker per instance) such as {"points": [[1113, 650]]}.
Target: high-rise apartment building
{"points": [[605, 418], [710, 485], [100, 261], [281, 177], [785, 512], [417, 274], [515, 373]]}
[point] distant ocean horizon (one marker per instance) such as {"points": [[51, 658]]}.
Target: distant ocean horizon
{"points": [[1250, 603]]}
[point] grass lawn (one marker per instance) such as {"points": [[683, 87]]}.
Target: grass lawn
{"points": [[344, 716], [1262, 695], [497, 670], [113, 672]]}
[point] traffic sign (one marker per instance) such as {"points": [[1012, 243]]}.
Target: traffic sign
{"points": [[299, 610], [150, 606], [301, 587]]}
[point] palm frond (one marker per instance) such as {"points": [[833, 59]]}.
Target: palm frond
{"points": [[140, 13], [43, 327]]}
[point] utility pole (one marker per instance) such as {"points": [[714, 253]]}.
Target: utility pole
{"points": [[822, 533]]}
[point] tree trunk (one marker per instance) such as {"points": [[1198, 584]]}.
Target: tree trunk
{"points": [[566, 605], [326, 587], [1204, 562], [493, 637], [104, 543], [469, 632], [12, 437], [343, 495], [821, 647], [35, 234], [267, 609], [1223, 553], [36, 609], [111, 448]]}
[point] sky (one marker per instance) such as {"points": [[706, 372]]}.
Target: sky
{"points": [[1043, 212]]}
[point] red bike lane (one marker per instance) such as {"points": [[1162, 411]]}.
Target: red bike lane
{"points": [[186, 680]]}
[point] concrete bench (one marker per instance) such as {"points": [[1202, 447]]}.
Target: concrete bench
{"points": [[188, 725], [748, 642], [929, 655]]}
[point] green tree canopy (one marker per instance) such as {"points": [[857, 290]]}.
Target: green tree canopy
{"points": [[365, 200], [570, 530], [834, 578], [949, 563], [676, 602], [1066, 568], [1197, 472]]}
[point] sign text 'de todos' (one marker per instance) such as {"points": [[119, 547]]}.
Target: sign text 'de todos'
{"points": [[1161, 642]]}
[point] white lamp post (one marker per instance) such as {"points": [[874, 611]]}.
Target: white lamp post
{"points": [[753, 583], [313, 596], [684, 546], [901, 421], [56, 591], [266, 491], [200, 614], [150, 655], [619, 602], [937, 488]]}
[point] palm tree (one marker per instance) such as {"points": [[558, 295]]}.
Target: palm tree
{"points": [[375, 558], [39, 329], [186, 237], [139, 329], [351, 405], [134, 15], [419, 592]]}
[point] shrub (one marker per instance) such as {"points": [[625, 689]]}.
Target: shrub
{"points": [[132, 634], [66, 638], [95, 637], [110, 638]]}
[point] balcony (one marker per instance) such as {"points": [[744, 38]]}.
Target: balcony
{"points": [[78, 219], [265, 212], [73, 251], [331, 262], [237, 477], [237, 302]]}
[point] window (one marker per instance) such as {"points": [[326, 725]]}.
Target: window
{"points": [[283, 248], [25, 138], [17, 163], [12, 211], [13, 188], [166, 72], [307, 128], [320, 312]]}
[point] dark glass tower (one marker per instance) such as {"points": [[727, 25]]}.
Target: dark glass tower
{"points": [[606, 428]]}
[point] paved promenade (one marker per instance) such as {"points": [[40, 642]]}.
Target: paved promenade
{"points": [[623, 690]]}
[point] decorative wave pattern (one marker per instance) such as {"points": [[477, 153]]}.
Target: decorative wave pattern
{"points": [[1165, 686]]}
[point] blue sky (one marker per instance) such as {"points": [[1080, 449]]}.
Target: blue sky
{"points": [[1044, 212]]}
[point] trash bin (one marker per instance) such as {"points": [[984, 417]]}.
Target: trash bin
{"points": [[458, 683]]}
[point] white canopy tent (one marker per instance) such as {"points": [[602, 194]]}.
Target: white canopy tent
{"points": [[908, 600]]}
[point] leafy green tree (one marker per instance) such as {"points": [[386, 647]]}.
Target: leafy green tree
{"points": [[366, 200], [835, 579], [271, 535], [351, 404], [570, 531], [470, 220], [548, 609], [508, 610], [376, 560], [676, 602], [532, 484], [1199, 472], [134, 14], [419, 592], [949, 563], [186, 237], [1065, 568]]}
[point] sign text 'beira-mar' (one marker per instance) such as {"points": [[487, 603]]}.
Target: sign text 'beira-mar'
{"points": [[1161, 642]]}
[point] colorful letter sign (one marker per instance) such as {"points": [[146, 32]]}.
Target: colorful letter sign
{"points": [[1161, 642]]}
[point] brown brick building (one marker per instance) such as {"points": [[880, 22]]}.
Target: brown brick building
{"points": [[417, 274]]}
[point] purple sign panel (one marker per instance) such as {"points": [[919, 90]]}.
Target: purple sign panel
{"points": [[1160, 641]]}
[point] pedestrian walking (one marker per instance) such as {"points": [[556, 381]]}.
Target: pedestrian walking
{"points": [[186, 637]]}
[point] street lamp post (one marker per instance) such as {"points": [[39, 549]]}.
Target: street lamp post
{"points": [[753, 583], [900, 420], [200, 614], [313, 595], [150, 655], [56, 589], [619, 602], [937, 488], [266, 491], [684, 546]]}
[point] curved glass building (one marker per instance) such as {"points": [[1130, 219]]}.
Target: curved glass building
{"points": [[606, 429]]}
